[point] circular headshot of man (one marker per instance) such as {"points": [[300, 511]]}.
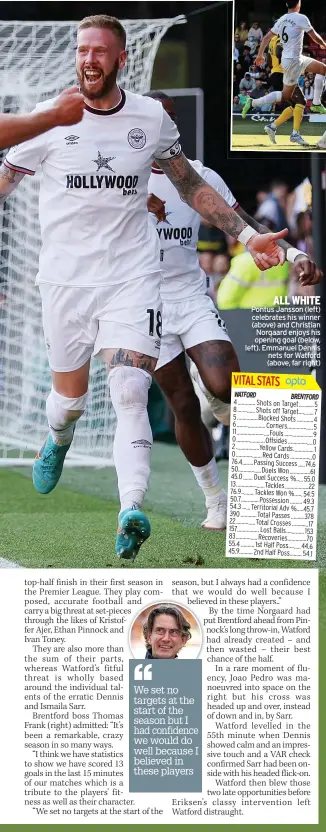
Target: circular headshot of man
{"points": [[165, 631]]}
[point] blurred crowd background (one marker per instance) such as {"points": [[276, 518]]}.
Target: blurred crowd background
{"points": [[249, 79]]}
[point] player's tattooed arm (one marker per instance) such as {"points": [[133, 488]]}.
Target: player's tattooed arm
{"points": [[9, 179], [212, 207], [258, 226], [201, 196]]}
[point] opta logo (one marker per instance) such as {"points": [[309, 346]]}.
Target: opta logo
{"points": [[295, 382], [137, 138]]}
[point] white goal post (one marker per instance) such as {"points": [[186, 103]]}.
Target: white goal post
{"points": [[37, 62]]}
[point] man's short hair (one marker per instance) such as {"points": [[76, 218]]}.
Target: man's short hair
{"points": [[104, 21], [165, 609]]}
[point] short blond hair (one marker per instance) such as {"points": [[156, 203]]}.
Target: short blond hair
{"points": [[104, 21]]}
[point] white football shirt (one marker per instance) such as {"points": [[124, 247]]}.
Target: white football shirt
{"points": [[93, 192], [291, 29], [178, 236]]}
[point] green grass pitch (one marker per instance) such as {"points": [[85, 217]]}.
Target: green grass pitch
{"points": [[250, 135], [75, 525]]}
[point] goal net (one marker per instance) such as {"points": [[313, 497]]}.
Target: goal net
{"points": [[37, 61]]}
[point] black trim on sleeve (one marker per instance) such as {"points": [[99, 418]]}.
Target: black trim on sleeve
{"points": [[18, 168]]}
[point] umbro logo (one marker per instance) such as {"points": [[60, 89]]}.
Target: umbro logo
{"points": [[72, 139], [141, 443]]}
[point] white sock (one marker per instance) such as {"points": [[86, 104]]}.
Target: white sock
{"points": [[133, 438], [62, 414], [209, 481], [270, 98], [318, 89]]}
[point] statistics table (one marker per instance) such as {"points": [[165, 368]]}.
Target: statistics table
{"points": [[273, 470]]}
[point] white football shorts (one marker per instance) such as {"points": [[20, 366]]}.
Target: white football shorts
{"points": [[293, 68], [80, 322], [188, 323]]}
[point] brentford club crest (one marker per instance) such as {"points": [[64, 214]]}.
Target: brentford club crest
{"points": [[137, 138]]}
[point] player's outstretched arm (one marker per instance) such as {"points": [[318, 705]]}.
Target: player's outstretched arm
{"points": [[67, 109], [265, 41], [15, 129], [9, 179], [316, 38], [213, 208], [306, 270]]}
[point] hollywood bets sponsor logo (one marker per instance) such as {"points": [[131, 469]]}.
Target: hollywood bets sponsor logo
{"points": [[182, 235], [95, 181]]}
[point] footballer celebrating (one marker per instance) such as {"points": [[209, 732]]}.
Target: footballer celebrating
{"points": [[192, 324], [99, 270]]}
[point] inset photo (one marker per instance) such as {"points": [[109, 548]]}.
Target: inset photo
{"points": [[165, 631], [279, 76]]}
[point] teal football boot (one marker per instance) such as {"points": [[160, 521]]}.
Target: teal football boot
{"points": [[48, 465], [134, 528]]}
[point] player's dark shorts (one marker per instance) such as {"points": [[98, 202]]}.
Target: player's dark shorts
{"points": [[276, 81]]}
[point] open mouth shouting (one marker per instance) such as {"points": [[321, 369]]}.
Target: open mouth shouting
{"points": [[92, 77]]}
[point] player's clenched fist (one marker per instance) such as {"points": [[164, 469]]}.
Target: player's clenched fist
{"points": [[306, 270], [265, 251], [69, 107], [156, 206]]}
